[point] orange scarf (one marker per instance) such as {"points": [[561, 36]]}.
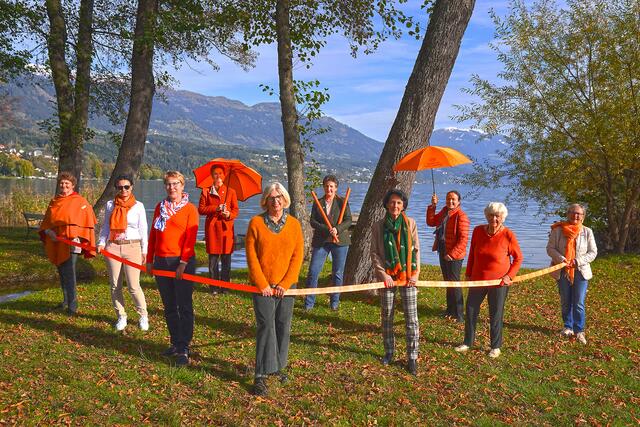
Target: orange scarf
{"points": [[118, 222], [70, 217], [571, 232]]}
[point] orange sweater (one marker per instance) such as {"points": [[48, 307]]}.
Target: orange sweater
{"points": [[490, 257], [178, 237], [274, 258]]}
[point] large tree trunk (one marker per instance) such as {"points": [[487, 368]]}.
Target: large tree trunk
{"points": [[72, 103], [413, 125], [627, 215], [131, 150], [292, 147]]}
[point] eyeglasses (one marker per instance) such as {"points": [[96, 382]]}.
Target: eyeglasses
{"points": [[272, 199], [172, 184], [122, 187], [576, 213]]}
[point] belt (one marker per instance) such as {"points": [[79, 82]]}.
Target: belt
{"points": [[124, 242]]}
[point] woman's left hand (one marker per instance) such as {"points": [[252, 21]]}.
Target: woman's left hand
{"points": [[412, 282], [333, 232], [506, 280], [180, 270], [278, 291]]}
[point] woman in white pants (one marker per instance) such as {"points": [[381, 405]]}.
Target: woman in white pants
{"points": [[124, 233]]}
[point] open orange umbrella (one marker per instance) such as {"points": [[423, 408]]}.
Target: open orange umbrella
{"points": [[244, 180], [431, 157]]}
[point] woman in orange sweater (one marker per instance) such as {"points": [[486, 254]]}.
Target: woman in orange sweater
{"points": [[274, 248], [69, 215], [171, 248], [494, 254]]}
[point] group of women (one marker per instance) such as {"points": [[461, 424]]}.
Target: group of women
{"points": [[274, 250]]}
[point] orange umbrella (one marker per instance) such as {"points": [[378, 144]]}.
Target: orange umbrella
{"points": [[431, 157], [244, 180]]}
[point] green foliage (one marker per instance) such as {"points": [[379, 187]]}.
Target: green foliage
{"points": [[11, 165], [150, 172], [569, 101]]}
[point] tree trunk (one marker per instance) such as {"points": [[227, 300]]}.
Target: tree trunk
{"points": [[131, 150], [627, 215], [292, 147], [413, 125]]}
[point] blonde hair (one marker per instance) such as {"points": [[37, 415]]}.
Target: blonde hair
{"points": [[280, 189], [174, 174], [496, 208]]}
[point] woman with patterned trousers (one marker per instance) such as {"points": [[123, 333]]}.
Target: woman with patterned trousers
{"points": [[171, 248], [274, 247], [395, 254]]}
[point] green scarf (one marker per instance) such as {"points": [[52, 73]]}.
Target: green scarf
{"points": [[396, 241]]}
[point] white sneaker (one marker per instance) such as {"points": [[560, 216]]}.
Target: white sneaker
{"points": [[144, 323], [121, 324], [462, 348], [495, 352], [581, 338], [567, 332]]}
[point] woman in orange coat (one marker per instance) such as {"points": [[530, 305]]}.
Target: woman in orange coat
{"points": [[70, 216], [220, 204]]}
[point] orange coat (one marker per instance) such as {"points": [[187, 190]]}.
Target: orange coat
{"points": [[456, 233], [218, 230], [69, 217]]}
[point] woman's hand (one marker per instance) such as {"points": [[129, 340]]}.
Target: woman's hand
{"points": [[267, 292], [506, 280], [52, 234], [448, 258], [434, 200], [180, 270], [412, 282], [333, 232], [150, 268], [278, 291], [100, 248], [388, 282]]}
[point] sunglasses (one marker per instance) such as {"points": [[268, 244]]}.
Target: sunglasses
{"points": [[122, 187]]}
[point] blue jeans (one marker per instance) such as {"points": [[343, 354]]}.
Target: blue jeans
{"points": [[318, 257], [572, 299], [67, 271]]}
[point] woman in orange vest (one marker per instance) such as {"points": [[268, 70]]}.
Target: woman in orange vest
{"points": [[220, 204], [70, 216]]}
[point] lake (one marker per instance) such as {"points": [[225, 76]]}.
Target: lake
{"points": [[531, 230]]}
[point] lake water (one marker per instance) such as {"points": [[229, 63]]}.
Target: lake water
{"points": [[531, 230]]}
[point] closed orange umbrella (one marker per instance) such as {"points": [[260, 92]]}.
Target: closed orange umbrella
{"points": [[244, 180], [431, 157]]}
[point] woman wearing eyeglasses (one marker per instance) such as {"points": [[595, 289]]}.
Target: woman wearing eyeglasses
{"points": [[274, 249], [124, 233], [573, 243], [171, 248]]}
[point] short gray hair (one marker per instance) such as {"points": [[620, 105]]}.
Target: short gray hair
{"points": [[280, 189], [496, 208], [576, 205]]}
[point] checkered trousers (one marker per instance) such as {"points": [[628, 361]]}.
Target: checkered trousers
{"points": [[410, 306]]}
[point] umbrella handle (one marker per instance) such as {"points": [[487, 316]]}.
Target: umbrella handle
{"points": [[433, 182]]}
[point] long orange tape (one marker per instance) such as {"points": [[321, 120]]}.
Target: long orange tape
{"points": [[317, 291]]}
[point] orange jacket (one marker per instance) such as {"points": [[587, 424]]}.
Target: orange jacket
{"points": [[218, 230], [456, 232], [178, 237], [274, 258], [69, 217]]}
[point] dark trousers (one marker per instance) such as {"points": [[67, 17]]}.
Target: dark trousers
{"points": [[67, 272], [177, 298], [451, 272], [497, 297], [273, 330], [220, 268]]}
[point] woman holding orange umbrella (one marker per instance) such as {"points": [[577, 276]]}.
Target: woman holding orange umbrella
{"points": [[220, 205]]}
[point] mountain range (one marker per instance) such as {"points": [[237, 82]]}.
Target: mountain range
{"points": [[188, 128]]}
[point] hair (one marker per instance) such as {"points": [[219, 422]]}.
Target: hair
{"points": [[457, 193], [68, 176], [331, 178], [174, 174], [576, 205], [399, 193], [123, 178], [280, 189], [214, 167], [494, 208]]}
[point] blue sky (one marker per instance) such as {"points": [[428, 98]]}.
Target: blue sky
{"points": [[366, 91]]}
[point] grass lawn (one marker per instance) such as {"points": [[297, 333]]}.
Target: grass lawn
{"points": [[78, 370]]}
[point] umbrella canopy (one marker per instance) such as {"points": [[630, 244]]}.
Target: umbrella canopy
{"points": [[244, 180], [430, 158]]}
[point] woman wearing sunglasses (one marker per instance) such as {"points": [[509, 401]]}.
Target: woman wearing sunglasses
{"points": [[124, 233]]}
